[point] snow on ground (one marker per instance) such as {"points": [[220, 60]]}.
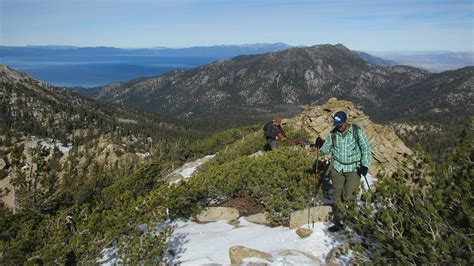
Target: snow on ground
{"points": [[189, 168], [49, 144], [370, 179], [197, 244], [203, 244], [142, 155]]}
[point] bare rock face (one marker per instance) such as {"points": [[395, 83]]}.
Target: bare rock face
{"points": [[316, 214], [238, 253], [212, 214], [388, 149]]}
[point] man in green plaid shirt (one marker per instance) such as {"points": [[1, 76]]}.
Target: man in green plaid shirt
{"points": [[351, 157]]}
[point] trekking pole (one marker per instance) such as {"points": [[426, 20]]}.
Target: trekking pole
{"points": [[318, 177], [317, 174], [368, 186], [313, 197]]}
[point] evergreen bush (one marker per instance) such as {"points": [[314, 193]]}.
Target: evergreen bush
{"points": [[424, 220]]}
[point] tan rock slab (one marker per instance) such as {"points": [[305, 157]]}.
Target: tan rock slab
{"points": [[212, 214], [238, 253], [316, 214], [259, 218]]}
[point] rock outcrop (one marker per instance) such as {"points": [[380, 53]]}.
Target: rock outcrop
{"points": [[387, 148]]}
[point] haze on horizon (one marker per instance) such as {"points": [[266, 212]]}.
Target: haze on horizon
{"points": [[370, 25]]}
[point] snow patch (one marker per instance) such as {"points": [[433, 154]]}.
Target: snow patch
{"points": [[370, 179], [142, 155], [49, 144], [209, 243], [187, 170]]}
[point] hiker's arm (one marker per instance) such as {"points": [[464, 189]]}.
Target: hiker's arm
{"points": [[365, 149], [326, 148], [283, 131]]}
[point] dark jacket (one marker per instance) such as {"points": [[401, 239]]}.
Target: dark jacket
{"points": [[271, 131]]}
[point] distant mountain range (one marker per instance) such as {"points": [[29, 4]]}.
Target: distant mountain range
{"points": [[295, 76], [217, 51], [376, 61], [280, 82], [70, 66], [433, 61]]}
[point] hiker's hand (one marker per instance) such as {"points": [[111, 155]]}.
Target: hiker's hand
{"points": [[363, 170], [319, 143]]}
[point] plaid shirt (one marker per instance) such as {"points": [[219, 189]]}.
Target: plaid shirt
{"points": [[345, 154]]}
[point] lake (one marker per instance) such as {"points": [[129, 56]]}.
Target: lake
{"points": [[91, 71]]}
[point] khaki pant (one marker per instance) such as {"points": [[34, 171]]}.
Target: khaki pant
{"points": [[345, 187]]}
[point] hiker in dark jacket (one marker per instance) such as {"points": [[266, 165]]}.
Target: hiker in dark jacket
{"points": [[274, 133], [351, 158]]}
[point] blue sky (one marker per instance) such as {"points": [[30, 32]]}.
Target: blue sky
{"points": [[403, 25]]}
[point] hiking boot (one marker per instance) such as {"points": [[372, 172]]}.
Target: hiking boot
{"points": [[335, 228]]}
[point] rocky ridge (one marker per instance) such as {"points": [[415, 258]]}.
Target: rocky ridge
{"points": [[259, 84], [388, 149], [34, 107]]}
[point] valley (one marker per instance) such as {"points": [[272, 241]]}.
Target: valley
{"points": [[82, 176]]}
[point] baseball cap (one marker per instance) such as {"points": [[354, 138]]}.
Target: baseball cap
{"points": [[339, 118]]}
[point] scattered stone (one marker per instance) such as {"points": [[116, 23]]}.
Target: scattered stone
{"points": [[316, 214], [235, 223], [259, 218], [212, 214], [238, 253], [303, 232]]}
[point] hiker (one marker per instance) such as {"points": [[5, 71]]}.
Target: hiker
{"points": [[351, 157], [274, 133]]}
